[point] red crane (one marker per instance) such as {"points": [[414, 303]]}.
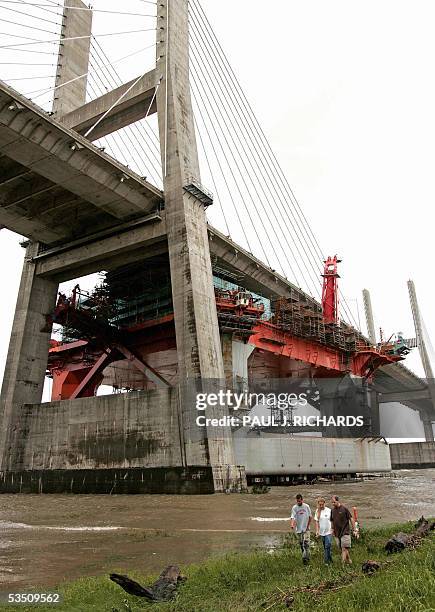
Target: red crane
{"points": [[330, 290]]}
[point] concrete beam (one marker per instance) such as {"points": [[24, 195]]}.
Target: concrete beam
{"points": [[404, 396], [130, 242], [132, 108]]}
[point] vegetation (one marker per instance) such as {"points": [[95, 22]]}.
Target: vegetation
{"points": [[278, 581]]}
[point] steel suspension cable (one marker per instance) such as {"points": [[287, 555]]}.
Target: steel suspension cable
{"points": [[36, 6], [226, 96], [62, 39], [80, 76], [72, 8], [237, 87], [216, 122], [13, 10], [128, 135], [206, 27], [128, 147], [230, 192], [209, 78], [117, 81], [216, 192], [23, 25], [129, 130]]}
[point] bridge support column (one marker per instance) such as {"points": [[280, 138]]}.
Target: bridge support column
{"points": [[374, 413], [329, 404], [428, 428], [200, 363], [26, 362]]}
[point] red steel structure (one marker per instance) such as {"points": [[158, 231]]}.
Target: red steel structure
{"points": [[142, 354], [330, 290]]}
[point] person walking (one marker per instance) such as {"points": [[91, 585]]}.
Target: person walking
{"points": [[300, 521], [322, 520], [342, 522]]}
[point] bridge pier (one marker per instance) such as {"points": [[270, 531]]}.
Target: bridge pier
{"points": [[427, 427], [196, 325], [26, 362], [374, 413]]}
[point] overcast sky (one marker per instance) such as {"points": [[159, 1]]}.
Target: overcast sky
{"points": [[346, 95]]}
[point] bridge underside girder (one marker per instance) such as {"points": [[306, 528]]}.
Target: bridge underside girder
{"points": [[135, 105], [55, 185]]}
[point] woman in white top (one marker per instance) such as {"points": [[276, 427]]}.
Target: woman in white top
{"points": [[322, 519]]}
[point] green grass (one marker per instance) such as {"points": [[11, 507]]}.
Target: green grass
{"points": [[250, 582]]}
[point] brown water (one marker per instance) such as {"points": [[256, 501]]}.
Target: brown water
{"points": [[49, 538]]}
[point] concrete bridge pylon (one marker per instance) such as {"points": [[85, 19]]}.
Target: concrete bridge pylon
{"points": [[200, 363]]}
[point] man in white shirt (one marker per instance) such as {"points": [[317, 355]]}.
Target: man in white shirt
{"points": [[300, 520], [322, 519]]}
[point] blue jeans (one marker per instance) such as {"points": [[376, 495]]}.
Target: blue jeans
{"points": [[327, 544]]}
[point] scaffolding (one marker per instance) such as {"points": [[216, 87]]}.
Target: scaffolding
{"points": [[300, 316]]}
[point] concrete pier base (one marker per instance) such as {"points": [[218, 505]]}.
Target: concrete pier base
{"points": [[412, 455], [193, 480], [127, 443]]}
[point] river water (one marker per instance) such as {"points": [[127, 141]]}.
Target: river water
{"points": [[46, 539]]}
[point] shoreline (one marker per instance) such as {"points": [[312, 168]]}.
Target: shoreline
{"points": [[242, 582]]}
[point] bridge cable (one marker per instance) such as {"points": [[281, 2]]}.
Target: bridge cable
{"points": [[134, 137], [209, 78], [118, 81], [72, 8], [233, 80], [253, 148], [230, 192], [208, 107], [212, 178], [131, 148], [13, 10], [206, 27], [249, 148], [39, 7], [129, 132], [62, 39]]}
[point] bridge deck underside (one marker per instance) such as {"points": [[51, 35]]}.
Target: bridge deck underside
{"points": [[54, 184]]}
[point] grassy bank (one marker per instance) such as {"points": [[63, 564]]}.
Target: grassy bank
{"points": [[259, 581]]}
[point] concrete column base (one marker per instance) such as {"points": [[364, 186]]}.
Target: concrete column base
{"points": [[192, 480]]}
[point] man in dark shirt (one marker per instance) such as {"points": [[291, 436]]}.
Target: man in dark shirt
{"points": [[342, 521]]}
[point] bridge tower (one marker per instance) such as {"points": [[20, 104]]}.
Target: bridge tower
{"points": [[370, 322], [424, 355], [165, 90]]}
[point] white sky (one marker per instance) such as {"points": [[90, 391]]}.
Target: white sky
{"points": [[345, 93]]}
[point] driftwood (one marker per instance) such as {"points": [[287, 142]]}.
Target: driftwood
{"points": [[401, 540], [369, 567], [163, 589]]}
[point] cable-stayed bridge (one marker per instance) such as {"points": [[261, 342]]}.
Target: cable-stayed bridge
{"points": [[98, 173]]}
